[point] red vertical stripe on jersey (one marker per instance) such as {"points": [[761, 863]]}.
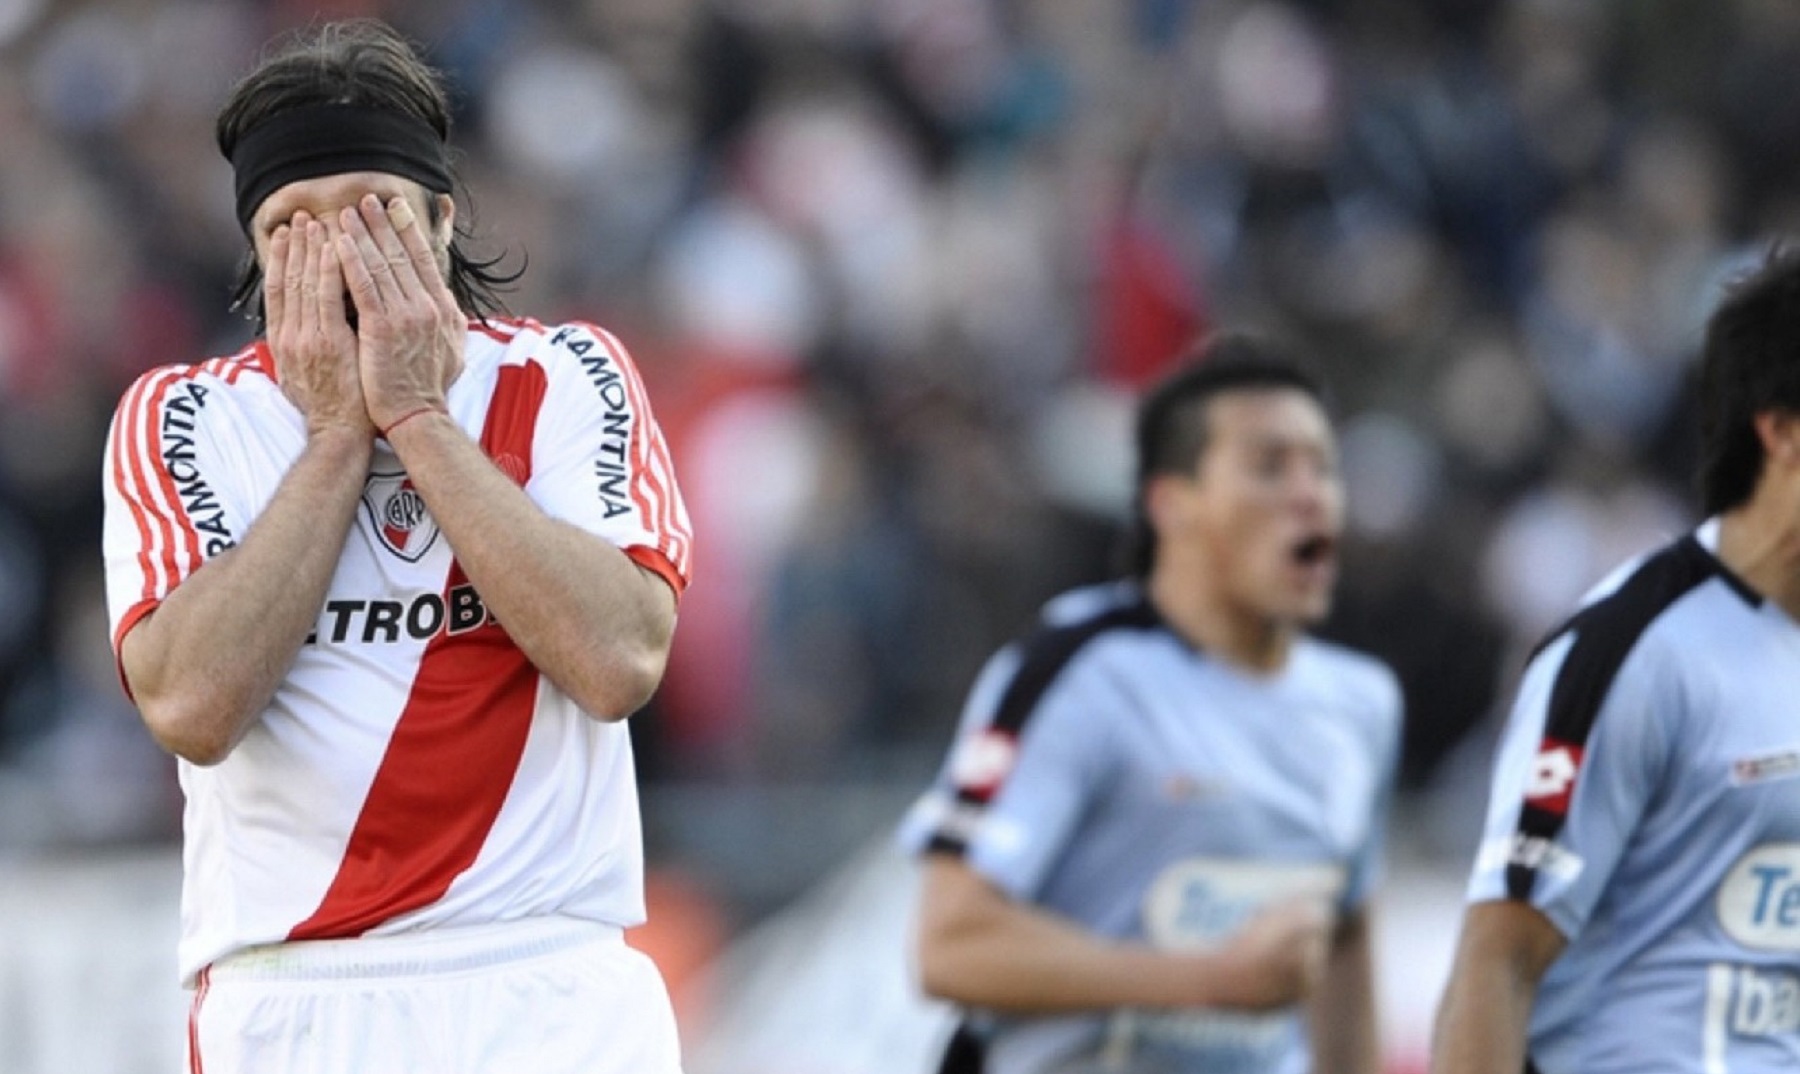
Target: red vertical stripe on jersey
{"points": [[644, 476], [200, 985], [458, 741], [123, 443], [144, 466], [140, 446]]}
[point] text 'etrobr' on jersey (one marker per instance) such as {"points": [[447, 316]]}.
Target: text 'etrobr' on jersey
{"points": [[1111, 773], [413, 769], [1646, 799]]}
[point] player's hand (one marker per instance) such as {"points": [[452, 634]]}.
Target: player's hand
{"points": [[410, 332], [1279, 955], [308, 332]]}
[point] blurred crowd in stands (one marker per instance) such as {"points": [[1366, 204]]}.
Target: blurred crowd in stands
{"points": [[894, 268]]}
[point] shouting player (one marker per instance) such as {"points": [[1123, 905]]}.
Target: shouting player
{"points": [[1153, 845]]}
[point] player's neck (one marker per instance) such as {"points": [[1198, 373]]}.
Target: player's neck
{"points": [[1760, 543], [1217, 626]]}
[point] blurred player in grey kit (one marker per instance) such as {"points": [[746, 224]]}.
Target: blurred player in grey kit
{"points": [[1635, 901], [1153, 844]]}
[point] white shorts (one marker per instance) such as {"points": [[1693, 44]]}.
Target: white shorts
{"points": [[545, 996]]}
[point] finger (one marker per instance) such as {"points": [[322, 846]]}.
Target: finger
{"points": [[309, 285], [382, 229], [417, 243], [364, 294], [274, 290], [380, 271], [296, 263], [417, 239], [331, 288]]}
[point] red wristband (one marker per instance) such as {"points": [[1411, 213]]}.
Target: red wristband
{"points": [[406, 417]]}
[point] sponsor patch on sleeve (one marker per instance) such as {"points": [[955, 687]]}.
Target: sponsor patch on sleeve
{"points": [[983, 761], [1553, 772], [1528, 852]]}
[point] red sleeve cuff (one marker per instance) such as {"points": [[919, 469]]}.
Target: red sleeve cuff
{"points": [[654, 561], [133, 615]]}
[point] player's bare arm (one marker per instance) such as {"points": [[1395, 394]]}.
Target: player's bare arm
{"points": [[1504, 951], [980, 948], [207, 660], [1342, 1007], [588, 617]]}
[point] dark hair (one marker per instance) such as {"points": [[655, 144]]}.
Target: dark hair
{"points": [[1172, 426], [1750, 365], [361, 62]]}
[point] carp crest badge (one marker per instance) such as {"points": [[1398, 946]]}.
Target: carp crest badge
{"points": [[397, 513]]}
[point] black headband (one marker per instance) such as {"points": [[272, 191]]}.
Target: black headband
{"points": [[331, 139]]}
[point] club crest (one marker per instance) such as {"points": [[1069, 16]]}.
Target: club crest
{"points": [[398, 516]]}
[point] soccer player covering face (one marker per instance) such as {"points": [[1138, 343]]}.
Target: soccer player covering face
{"points": [[387, 582], [1635, 901], [1153, 844]]}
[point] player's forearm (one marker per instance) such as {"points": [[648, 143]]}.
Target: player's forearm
{"points": [[1034, 963], [1480, 1027], [1504, 950], [205, 663], [588, 617], [1481, 1023], [978, 947], [1344, 1037]]}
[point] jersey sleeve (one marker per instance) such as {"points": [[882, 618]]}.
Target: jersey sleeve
{"points": [[600, 461], [1572, 780], [1013, 789], [169, 504]]}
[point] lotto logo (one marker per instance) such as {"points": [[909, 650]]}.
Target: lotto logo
{"points": [[1551, 782], [983, 761]]}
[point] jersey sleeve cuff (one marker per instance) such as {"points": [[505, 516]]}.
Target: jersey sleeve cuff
{"points": [[133, 615], [658, 564]]}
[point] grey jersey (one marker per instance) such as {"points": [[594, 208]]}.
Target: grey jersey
{"points": [[1109, 772], [1646, 798]]}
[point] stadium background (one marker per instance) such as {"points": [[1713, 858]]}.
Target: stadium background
{"points": [[893, 269]]}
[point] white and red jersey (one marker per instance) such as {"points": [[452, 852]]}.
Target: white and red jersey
{"points": [[413, 769]]}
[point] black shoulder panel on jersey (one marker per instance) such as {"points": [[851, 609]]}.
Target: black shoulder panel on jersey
{"points": [[1047, 651], [1607, 630], [1604, 634]]}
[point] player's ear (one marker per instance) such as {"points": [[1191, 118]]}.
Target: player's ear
{"points": [[1779, 432], [1165, 497], [446, 218]]}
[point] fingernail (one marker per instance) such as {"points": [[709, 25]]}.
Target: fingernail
{"points": [[401, 213]]}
